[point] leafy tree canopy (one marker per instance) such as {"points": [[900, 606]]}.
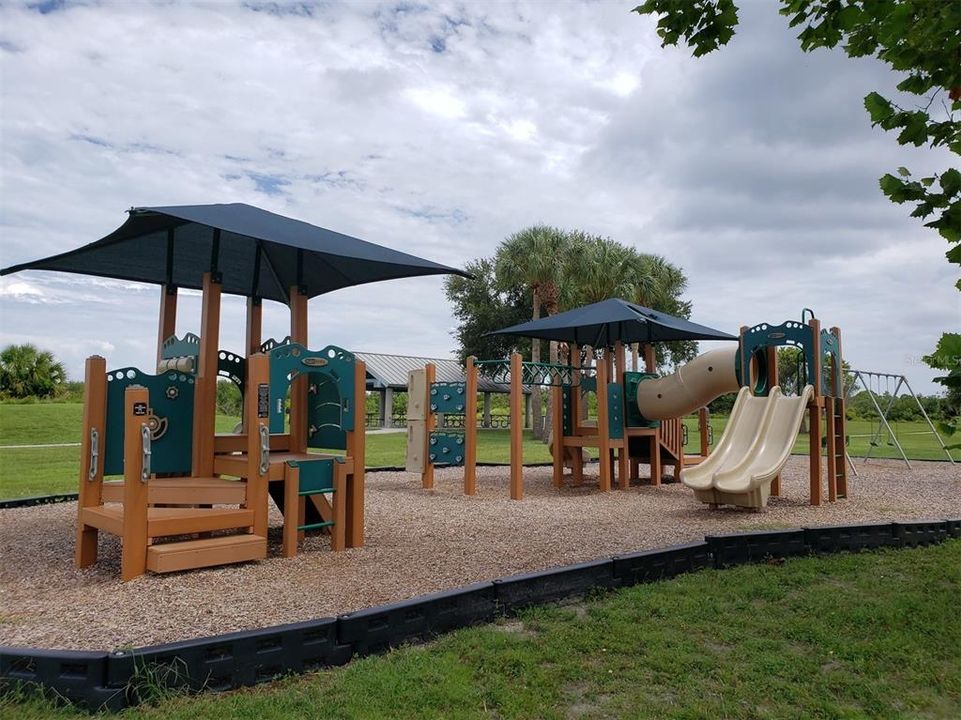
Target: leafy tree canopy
{"points": [[920, 38], [26, 372]]}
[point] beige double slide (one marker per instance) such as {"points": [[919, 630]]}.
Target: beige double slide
{"points": [[754, 447]]}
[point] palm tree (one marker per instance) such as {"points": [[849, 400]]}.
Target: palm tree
{"points": [[658, 284], [26, 371], [534, 258]]}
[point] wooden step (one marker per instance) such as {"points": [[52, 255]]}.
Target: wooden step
{"points": [[170, 521], [236, 464], [170, 557], [184, 491]]}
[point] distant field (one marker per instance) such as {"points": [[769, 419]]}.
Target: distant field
{"points": [[41, 471]]}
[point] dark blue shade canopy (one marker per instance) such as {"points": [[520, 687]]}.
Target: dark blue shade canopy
{"points": [[604, 323], [255, 252]]}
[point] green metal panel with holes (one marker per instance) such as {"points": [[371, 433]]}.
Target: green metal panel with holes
{"points": [[445, 448], [759, 337], [289, 360], [170, 420], [615, 411], [448, 398], [632, 415]]}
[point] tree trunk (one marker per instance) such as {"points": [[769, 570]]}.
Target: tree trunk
{"points": [[537, 423]]}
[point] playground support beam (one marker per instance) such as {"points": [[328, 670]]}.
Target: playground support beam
{"points": [[557, 431], [258, 383], [168, 317], [255, 324], [603, 426], [470, 428], [770, 358], [133, 555], [430, 422], [298, 387], [577, 458], [205, 394], [357, 447], [814, 429], [91, 467], [623, 470], [517, 429]]}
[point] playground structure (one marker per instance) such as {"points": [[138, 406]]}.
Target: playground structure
{"points": [[181, 478], [191, 497], [872, 383], [639, 416]]}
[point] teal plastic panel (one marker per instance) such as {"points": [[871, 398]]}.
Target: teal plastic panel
{"points": [[632, 415], [289, 360], [316, 476], [589, 383], [791, 333], [171, 419], [448, 398], [568, 419], [615, 410], [445, 448], [174, 347], [325, 413], [830, 347]]}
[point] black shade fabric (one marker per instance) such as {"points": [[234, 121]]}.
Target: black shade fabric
{"points": [[604, 323], [257, 253]]}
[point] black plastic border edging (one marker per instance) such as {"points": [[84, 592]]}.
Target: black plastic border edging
{"points": [[113, 681]]}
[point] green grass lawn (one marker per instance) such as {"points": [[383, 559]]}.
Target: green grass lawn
{"points": [[42, 471], [873, 635]]}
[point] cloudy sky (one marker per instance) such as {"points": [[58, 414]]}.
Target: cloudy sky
{"points": [[440, 128]]}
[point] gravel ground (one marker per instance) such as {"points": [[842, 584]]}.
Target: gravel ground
{"points": [[417, 542]]}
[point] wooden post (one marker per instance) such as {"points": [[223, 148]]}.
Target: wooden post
{"points": [[357, 445], [623, 464], [517, 430], [703, 429], [603, 427], [773, 378], [298, 387], [430, 422], [91, 469], [205, 393], [255, 324], [256, 408], [470, 428], [133, 558], [816, 405], [168, 317], [577, 458], [829, 436], [557, 430], [650, 358], [841, 467], [338, 533], [292, 510]]}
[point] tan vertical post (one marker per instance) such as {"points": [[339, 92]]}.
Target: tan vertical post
{"points": [[603, 426], [829, 437], [91, 468], [517, 428], [255, 324], [577, 457], [430, 423], [168, 317], [298, 387], [773, 378], [133, 558], [841, 467], [357, 443], [256, 409], [292, 510], [470, 428], [815, 418], [205, 393], [623, 469], [338, 533]]}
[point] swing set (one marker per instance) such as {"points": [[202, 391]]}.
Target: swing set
{"points": [[879, 388]]}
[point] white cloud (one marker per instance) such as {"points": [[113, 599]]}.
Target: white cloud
{"points": [[440, 128]]}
